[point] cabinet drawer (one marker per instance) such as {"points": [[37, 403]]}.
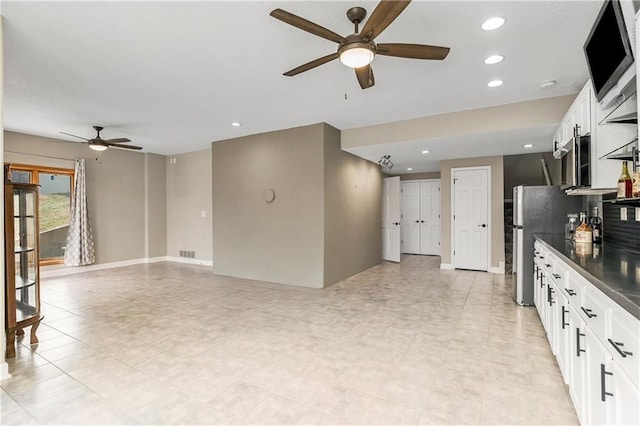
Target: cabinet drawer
{"points": [[595, 309], [574, 286], [624, 342]]}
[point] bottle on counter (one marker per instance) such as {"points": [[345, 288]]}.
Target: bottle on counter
{"points": [[624, 183], [584, 232], [596, 226], [570, 227], [635, 183]]}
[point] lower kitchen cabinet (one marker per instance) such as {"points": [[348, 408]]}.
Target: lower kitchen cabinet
{"points": [[577, 364], [625, 401], [596, 342]]}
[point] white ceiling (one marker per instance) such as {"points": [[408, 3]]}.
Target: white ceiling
{"points": [[172, 76]]}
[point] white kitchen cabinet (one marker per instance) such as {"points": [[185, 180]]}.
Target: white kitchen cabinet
{"points": [[596, 342], [598, 386], [577, 364], [562, 334], [580, 114], [624, 404]]}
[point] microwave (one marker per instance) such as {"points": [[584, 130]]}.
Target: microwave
{"points": [[575, 158]]}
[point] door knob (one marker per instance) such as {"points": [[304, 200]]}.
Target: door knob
{"points": [[484, 225], [417, 221], [396, 223], [422, 221]]}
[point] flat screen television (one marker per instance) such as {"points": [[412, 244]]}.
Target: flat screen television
{"points": [[607, 48]]}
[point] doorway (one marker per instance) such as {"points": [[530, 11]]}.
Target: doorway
{"points": [[470, 220]]}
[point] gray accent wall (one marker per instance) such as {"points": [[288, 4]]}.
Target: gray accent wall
{"points": [[156, 205], [327, 204], [115, 191], [353, 211], [188, 196]]}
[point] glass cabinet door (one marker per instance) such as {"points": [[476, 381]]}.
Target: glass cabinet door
{"points": [[25, 252]]}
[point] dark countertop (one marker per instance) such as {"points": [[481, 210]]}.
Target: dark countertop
{"points": [[614, 270]]}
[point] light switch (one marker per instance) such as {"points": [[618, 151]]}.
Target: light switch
{"points": [[204, 213], [623, 213], [637, 214]]}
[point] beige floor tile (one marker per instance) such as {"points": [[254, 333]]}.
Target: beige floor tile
{"points": [[397, 344]]}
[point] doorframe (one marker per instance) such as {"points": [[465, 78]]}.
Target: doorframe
{"points": [[489, 209]]}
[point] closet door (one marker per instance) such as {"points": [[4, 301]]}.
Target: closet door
{"points": [[410, 218], [430, 217]]}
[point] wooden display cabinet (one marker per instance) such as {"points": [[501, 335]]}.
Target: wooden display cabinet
{"points": [[22, 272]]}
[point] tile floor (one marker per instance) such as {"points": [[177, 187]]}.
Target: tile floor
{"points": [[169, 343]]}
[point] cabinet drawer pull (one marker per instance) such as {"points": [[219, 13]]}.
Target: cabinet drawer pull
{"points": [[541, 257], [556, 276], [564, 312], [617, 345], [578, 349], [570, 292], [603, 389], [588, 312]]}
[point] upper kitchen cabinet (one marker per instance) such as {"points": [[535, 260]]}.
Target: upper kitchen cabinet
{"points": [[579, 117]]}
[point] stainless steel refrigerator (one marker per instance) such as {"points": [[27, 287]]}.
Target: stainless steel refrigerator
{"points": [[536, 209]]}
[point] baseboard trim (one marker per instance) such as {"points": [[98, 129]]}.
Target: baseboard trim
{"points": [[4, 371], [89, 268], [446, 266], [498, 270], [190, 260]]}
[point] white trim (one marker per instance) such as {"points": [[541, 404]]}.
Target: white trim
{"points": [[419, 180], [446, 266], [190, 260], [4, 371], [498, 270], [146, 204], [48, 273], [489, 210]]}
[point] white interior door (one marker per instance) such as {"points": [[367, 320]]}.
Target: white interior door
{"points": [[470, 218], [391, 219], [430, 217], [410, 235]]}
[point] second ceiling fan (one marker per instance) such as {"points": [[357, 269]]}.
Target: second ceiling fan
{"points": [[357, 50]]}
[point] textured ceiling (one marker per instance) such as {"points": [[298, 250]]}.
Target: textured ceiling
{"points": [[172, 76]]}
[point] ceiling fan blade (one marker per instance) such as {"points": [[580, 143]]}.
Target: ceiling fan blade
{"points": [[79, 137], [365, 76], [305, 25], [382, 16], [117, 145], [311, 65], [117, 140], [414, 51]]}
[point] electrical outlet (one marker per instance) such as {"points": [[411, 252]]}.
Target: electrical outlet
{"points": [[623, 213], [204, 213]]}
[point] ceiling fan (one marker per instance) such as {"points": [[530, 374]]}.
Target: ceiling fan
{"points": [[99, 144], [357, 50]]}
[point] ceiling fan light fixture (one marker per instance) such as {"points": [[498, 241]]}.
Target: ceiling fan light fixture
{"points": [[356, 55], [98, 147]]}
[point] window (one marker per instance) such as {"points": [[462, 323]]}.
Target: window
{"points": [[56, 187]]}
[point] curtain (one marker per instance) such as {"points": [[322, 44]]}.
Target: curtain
{"points": [[79, 250]]}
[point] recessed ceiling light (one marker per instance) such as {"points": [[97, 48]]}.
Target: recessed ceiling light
{"points": [[493, 59], [495, 83], [529, 145], [492, 24], [236, 124], [409, 168], [426, 151], [548, 83]]}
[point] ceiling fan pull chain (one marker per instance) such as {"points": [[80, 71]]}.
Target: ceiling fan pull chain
{"points": [[345, 85]]}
